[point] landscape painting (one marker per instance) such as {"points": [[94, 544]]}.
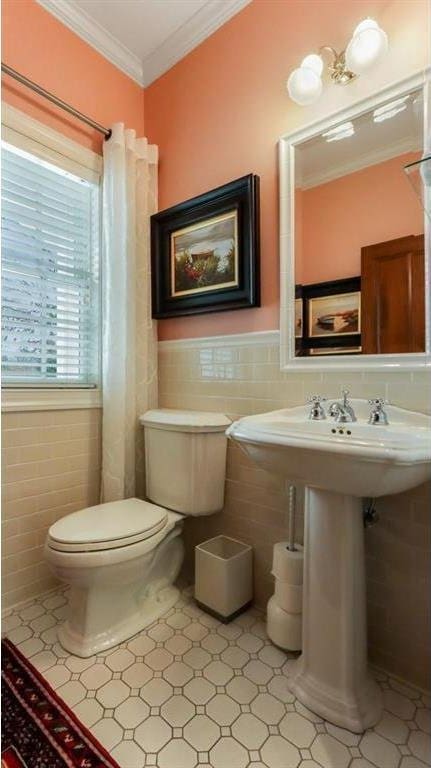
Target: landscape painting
{"points": [[334, 315], [205, 252], [204, 256], [335, 351], [298, 318]]}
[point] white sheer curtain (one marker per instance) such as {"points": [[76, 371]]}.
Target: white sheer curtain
{"points": [[129, 347]]}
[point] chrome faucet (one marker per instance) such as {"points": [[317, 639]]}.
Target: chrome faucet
{"points": [[342, 412], [317, 412], [378, 414]]}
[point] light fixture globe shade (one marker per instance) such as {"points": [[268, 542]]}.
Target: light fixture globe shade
{"points": [[315, 62], [368, 44], [304, 86]]}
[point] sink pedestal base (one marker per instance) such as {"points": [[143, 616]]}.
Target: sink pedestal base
{"points": [[331, 676]]}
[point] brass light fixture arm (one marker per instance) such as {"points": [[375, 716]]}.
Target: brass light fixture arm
{"points": [[337, 69]]}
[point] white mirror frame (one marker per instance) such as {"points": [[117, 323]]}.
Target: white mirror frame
{"points": [[287, 144]]}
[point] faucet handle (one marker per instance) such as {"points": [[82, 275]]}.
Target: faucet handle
{"points": [[315, 399], [317, 412], [379, 402], [378, 414]]}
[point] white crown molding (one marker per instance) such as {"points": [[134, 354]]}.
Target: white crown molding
{"points": [[207, 20], [409, 144], [201, 25], [97, 36], [229, 340]]}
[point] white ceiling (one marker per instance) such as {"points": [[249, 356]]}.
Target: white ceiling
{"points": [[317, 161], [144, 38]]}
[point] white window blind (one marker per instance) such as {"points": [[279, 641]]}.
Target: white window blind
{"points": [[50, 274]]}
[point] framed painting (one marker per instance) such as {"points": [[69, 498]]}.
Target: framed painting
{"points": [[205, 252], [298, 319], [332, 316], [299, 312], [335, 351]]}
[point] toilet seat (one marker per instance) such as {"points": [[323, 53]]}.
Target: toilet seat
{"points": [[107, 526]]}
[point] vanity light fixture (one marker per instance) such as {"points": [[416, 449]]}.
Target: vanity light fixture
{"points": [[342, 131], [367, 45], [305, 83]]}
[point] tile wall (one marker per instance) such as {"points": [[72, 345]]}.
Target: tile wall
{"points": [[240, 375], [51, 466]]}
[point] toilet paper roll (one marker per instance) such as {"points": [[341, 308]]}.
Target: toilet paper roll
{"points": [[288, 596], [284, 629], [287, 565]]}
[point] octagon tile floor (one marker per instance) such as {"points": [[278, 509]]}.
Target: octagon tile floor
{"points": [[189, 691]]}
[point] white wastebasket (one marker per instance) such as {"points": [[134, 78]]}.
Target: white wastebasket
{"points": [[223, 576]]}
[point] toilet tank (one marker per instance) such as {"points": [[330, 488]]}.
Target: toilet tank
{"points": [[185, 459]]}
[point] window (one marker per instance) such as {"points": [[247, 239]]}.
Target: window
{"points": [[50, 271]]}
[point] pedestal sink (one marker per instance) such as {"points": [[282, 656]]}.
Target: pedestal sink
{"points": [[338, 464]]}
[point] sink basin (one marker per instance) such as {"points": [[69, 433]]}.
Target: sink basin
{"points": [[358, 458], [338, 463]]}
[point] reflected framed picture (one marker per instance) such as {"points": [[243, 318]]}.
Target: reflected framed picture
{"points": [[205, 252], [299, 326], [335, 351], [334, 315], [299, 318]]}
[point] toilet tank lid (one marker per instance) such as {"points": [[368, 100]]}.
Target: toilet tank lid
{"points": [[185, 421]]}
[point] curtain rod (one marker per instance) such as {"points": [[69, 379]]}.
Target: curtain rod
{"points": [[54, 99]]}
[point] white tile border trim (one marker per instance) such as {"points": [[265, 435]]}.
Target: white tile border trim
{"points": [[15, 400], [227, 340]]}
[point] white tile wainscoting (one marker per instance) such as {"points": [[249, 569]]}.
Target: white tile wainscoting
{"points": [[191, 692], [240, 375], [51, 467]]}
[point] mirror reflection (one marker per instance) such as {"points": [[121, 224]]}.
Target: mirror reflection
{"points": [[359, 236]]}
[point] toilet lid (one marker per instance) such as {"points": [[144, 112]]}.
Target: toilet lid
{"points": [[107, 526]]}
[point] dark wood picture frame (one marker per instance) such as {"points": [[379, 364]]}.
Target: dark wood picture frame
{"points": [[299, 333], [335, 341], [240, 196]]}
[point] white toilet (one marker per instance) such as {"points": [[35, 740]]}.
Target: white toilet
{"points": [[122, 558]]}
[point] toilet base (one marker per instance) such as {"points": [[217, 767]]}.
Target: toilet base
{"points": [[115, 594], [150, 609]]}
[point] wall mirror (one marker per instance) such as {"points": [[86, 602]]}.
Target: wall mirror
{"points": [[354, 237]]}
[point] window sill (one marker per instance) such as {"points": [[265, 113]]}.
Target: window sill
{"points": [[50, 399]]}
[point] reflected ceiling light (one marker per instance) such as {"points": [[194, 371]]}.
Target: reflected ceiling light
{"points": [[390, 110], [342, 131], [368, 44]]}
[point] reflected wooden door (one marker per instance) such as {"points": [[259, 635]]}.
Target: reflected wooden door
{"points": [[393, 296]]}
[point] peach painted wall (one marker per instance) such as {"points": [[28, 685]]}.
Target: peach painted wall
{"points": [[340, 217], [43, 49], [218, 113]]}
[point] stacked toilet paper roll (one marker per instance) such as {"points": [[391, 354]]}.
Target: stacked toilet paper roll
{"points": [[284, 611]]}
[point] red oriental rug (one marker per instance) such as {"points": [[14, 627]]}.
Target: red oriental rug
{"points": [[39, 730]]}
